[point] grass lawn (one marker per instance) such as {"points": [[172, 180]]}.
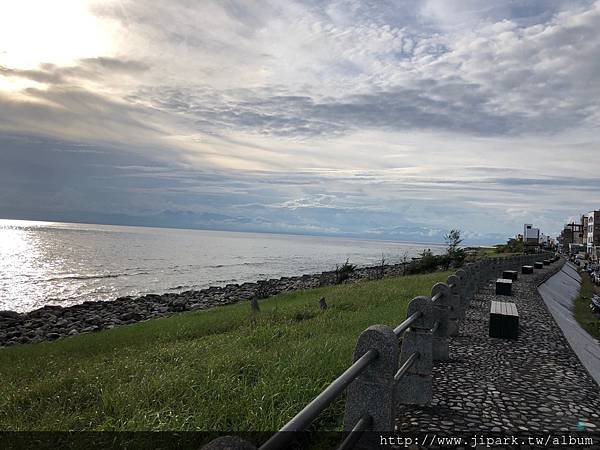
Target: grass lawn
{"points": [[581, 307], [218, 369]]}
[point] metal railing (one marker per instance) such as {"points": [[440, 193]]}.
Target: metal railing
{"points": [[386, 373], [324, 399]]}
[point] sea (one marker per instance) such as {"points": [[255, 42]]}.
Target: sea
{"points": [[53, 263]]}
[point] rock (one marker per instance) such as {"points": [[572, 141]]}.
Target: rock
{"points": [[179, 304], [131, 316], [322, 303], [53, 335], [73, 332], [9, 315]]}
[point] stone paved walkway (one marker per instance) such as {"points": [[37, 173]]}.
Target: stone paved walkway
{"points": [[535, 384]]}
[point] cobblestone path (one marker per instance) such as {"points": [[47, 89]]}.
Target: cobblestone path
{"points": [[533, 385]]}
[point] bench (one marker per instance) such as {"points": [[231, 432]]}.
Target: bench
{"points": [[503, 286], [527, 269], [504, 320], [546, 262], [538, 265], [510, 275]]}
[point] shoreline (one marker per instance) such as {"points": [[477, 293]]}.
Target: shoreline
{"points": [[54, 321]]}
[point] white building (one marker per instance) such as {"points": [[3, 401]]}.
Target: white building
{"points": [[531, 235]]}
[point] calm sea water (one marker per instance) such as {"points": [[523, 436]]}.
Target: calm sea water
{"points": [[63, 263]]}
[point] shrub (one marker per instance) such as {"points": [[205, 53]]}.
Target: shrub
{"points": [[342, 273], [428, 262]]}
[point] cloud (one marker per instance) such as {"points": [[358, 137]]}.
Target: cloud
{"points": [[357, 117]]}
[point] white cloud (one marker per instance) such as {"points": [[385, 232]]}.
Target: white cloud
{"points": [[445, 111]]}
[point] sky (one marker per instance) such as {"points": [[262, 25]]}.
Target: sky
{"points": [[377, 119]]}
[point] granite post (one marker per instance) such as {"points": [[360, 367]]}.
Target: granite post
{"points": [[443, 313], [416, 385], [371, 393]]}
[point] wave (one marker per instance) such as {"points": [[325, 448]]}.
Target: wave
{"points": [[258, 263], [87, 277], [182, 286]]}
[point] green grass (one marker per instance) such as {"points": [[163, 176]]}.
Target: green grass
{"points": [[218, 369], [581, 307]]}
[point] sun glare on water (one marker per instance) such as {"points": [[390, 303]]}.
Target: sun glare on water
{"points": [[34, 32]]}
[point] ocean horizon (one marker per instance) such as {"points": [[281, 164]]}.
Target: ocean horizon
{"points": [[64, 263]]}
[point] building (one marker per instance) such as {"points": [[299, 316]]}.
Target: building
{"points": [[593, 235], [531, 235], [584, 228], [531, 238], [572, 236]]}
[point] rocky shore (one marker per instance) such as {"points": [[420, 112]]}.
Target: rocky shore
{"points": [[54, 322]]}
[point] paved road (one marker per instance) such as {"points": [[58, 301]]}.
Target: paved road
{"points": [[558, 294]]}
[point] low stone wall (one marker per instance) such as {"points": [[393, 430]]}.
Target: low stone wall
{"points": [[53, 322]]}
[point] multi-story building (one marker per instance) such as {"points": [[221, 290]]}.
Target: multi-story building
{"points": [[531, 238], [531, 235], [593, 234], [572, 233], [584, 228]]}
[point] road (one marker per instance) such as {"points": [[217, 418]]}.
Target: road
{"points": [[559, 293]]}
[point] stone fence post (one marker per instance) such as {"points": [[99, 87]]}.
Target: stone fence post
{"points": [[477, 276], [489, 270], [415, 387], [444, 311], [462, 276], [497, 268], [468, 285], [371, 393], [453, 283]]}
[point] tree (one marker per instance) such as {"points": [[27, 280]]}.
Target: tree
{"points": [[427, 261], [454, 254]]}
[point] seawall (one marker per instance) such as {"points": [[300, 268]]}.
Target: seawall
{"points": [[558, 293]]}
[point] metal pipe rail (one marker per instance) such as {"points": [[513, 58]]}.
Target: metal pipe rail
{"points": [[324, 399], [301, 420], [361, 426], [407, 365], [407, 323]]}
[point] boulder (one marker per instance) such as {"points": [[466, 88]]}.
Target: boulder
{"points": [[9, 315]]}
